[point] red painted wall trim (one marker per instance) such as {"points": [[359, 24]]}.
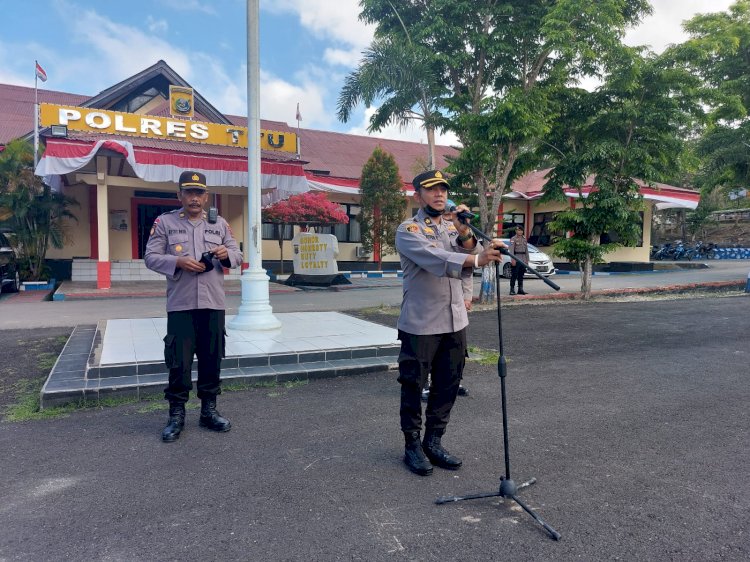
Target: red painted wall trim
{"points": [[103, 275]]}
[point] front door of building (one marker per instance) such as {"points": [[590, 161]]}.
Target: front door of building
{"points": [[146, 214]]}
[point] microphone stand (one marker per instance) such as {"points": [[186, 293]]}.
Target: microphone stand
{"points": [[508, 488]]}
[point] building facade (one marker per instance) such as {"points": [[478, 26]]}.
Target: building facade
{"points": [[120, 153]]}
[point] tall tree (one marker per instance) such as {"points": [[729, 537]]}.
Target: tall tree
{"points": [[489, 58], [718, 51], [31, 209], [398, 73], [493, 65], [383, 203], [631, 128]]}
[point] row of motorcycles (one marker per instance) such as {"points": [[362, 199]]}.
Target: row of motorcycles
{"points": [[678, 250]]}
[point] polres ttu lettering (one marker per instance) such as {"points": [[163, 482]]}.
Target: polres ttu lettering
{"points": [[150, 126], [105, 120]]}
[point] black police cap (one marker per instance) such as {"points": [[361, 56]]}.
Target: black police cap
{"points": [[192, 180], [428, 179]]}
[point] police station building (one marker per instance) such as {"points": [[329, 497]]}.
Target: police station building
{"points": [[120, 153]]}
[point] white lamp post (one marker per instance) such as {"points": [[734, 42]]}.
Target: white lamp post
{"points": [[254, 313]]}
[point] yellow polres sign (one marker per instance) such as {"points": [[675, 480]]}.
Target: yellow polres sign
{"points": [[132, 124]]}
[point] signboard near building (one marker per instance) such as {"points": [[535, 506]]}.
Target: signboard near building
{"points": [[315, 254], [90, 120], [315, 260]]}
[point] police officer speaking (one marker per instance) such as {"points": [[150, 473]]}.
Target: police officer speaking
{"points": [[190, 247], [437, 251]]}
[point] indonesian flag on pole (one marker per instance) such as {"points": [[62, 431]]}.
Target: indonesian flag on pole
{"points": [[299, 115], [40, 73]]}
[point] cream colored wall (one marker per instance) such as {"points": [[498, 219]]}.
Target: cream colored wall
{"points": [[77, 236], [627, 254], [233, 209]]}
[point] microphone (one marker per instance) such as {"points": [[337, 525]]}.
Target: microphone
{"points": [[467, 215]]}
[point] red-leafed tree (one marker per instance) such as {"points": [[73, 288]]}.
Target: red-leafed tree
{"points": [[306, 209]]}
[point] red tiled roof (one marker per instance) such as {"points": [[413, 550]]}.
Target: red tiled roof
{"points": [[533, 183], [17, 108], [344, 155]]}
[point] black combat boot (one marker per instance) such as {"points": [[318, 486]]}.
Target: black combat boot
{"points": [[414, 455], [176, 422], [211, 418], [435, 452]]}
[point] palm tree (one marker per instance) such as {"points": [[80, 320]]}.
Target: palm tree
{"points": [[397, 71], [30, 208]]}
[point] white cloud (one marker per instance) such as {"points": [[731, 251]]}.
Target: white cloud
{"points": [[157, 26], [118, 50], [414, 132], [335, 20], [279, 100], [664, 27], [189, 6]]}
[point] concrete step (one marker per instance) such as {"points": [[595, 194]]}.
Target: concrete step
{"points": [[77, 376]]}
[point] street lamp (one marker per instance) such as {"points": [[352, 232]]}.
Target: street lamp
{"points": [[254, 313]]}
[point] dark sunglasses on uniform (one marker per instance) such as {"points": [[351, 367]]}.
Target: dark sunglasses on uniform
{"points": [[440, 186]]}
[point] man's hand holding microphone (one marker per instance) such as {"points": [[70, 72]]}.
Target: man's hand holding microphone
{"points": [[460, 214]]}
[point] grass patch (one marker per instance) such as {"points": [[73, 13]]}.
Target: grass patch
{"points": [[483, 356], [382, 309], [26, 407]]}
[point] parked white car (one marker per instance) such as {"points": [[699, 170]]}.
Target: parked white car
{"points": [[537, 259]]}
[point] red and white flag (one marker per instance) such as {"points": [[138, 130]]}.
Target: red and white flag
{"points": [[40, 73], [299, 115]]}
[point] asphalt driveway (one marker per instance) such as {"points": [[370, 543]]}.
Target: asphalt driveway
{"points": [[632, 416]]}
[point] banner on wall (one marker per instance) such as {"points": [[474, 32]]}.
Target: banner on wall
{"points": [[118, 220]]}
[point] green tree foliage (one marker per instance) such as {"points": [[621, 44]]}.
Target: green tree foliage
{"points": [[383, 203], [397, 73], [487, 59], [34, 212], [630, 128], [718, 51]]}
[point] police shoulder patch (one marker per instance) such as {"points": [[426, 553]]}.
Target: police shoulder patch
{"points": [[412, 228]]}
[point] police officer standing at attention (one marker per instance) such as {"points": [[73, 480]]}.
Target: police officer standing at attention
{"points": [[190, 247], [518, 247], [437, 251]]}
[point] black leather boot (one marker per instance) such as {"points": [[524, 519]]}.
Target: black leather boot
{"points": [[211, 418], [414, 455], [435, 452], [175, 423]]}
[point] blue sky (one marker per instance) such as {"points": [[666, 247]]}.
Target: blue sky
{"points": [[307, 48]]}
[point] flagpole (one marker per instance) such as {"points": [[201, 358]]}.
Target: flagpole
{"points": [[255, 312], [299, 142], [36, 114]]}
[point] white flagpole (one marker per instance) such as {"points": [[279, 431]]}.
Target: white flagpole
{"points": [[36, 115], [255, 312], [299, 144]]}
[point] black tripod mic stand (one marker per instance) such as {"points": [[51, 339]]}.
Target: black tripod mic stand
{"points": [[508, 488]]}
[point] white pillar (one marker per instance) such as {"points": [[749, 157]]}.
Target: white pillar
{"points": [[255, 311], [103, 267]]}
